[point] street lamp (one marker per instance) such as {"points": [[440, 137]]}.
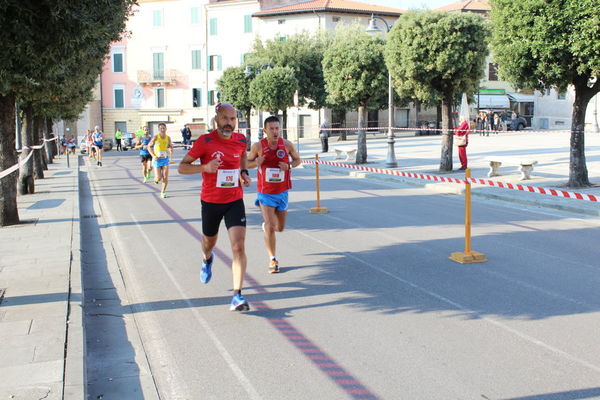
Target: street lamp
{"points": [[391, 156]]}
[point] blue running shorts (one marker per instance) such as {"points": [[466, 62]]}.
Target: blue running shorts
{"points": [[279, 200], [161, 162]]}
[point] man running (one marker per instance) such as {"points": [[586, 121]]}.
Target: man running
{"points": [[272, 156], [98, 143], [145, 156], [159, 147], [222, 154]]}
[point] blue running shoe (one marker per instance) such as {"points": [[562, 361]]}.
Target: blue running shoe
{"points": [[206, 272], [239, 303]]}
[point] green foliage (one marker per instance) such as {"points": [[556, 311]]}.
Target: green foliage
{"points": [[53, 51], [354, 70], [234, 87], [304, 54], [546, 43], [273, 89], [435, 53]]}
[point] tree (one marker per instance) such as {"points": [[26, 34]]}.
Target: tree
{"points": [[41, 42], [234, 86], [356, 76], [552, 43], [273, 90], [437, 54], [304, 54]]}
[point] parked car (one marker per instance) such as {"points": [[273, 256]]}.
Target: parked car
{"points": [[128, 141], [427, 128], [516, 125]]}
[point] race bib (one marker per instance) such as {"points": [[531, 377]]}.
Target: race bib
{"points": [[161, 154], [274, 175], [228, 178]]}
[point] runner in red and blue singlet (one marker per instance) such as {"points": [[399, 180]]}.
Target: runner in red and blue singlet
{"points": [[275, 157]]}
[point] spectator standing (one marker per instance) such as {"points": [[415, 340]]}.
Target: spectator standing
{"points": [[118, 137], [324, 136], [462, 132]]}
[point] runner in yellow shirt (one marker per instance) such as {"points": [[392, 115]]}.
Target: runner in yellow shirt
{"points": [[159, 148]]}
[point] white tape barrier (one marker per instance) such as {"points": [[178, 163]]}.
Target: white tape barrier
{"points": [[15, 167]]}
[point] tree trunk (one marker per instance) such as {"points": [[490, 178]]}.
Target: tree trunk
{"points": [[446, 159], [38, 158], [26, 182], [438, 115], [56, 143], [285, 135], [578, 174], [361, 140], [9, 213], [49, 146], [248, 130]]}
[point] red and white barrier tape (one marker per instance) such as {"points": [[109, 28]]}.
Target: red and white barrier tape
{"points": [[15, 167], [485, 182], [395, 129]]}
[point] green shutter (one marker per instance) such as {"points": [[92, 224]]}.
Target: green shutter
{"points": [[195, 15], [119, 98], [158, 66], [157, 18], [196, 57], [219, 64], [117, 62], [247, 23], [213, 26]]}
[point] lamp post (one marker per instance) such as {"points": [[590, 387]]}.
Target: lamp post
{"points": [[595, 114], [391, 156]]}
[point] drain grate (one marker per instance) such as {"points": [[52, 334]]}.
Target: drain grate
{"points": [[2, 295], [92, 216]]}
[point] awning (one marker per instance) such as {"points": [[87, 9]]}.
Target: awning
{"points": [[521, 98], [493, 101]]}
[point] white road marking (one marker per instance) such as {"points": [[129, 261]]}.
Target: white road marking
{"points": [[237, 371], [459, 306]]}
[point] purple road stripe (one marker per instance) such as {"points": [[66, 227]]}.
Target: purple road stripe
{"points": [[319, 358]]}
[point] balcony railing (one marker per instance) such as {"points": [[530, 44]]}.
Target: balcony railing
{"points": [[157, 78]]}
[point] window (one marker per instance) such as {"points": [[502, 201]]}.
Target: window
{"points": [[281, 21], [562, 95], [119, 96], [247, 23], [196, 63], [214, 63], [122, 125], [547, 93], [158, 66], [117, 60], [213, 97], [243, 58], [159, 95], [282, 38], [213, 26], [492, 72], [335, 19], [195, 15], [157, 18], [196, 97]]}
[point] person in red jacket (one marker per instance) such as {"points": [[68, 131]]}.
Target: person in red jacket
{"points": [[222, 155], [463, 132], [275, 157]]}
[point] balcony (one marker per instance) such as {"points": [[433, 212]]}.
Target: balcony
{"points": [[157, 78]]}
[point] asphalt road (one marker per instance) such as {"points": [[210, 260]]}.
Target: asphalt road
{"points": [[367, 306]]}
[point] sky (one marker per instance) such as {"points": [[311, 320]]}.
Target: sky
{"points": [[410, 4]]}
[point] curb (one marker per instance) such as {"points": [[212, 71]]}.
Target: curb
{"points": [[75, 377], [527, 199]]}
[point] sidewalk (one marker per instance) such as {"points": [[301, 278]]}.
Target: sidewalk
{"points": [[41, 332], [421, 155]]}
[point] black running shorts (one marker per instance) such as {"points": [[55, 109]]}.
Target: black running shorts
{"points": [[145, 157], [212, 214]]}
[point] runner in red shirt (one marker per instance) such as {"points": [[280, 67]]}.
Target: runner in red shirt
{"points": [[272, 156], [223, 163]]}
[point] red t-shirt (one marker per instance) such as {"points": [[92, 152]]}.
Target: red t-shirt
{"points": [[271, 179], [224, 185]]}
